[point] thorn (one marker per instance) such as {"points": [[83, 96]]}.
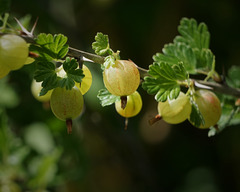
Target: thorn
{"points": [[123, 101], [34, 26], [24, 30], [69, 126], [154, 119], [80, 62]]}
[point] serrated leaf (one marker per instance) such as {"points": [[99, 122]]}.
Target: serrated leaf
{"points": [[192, 34], [163, 80], [178, 53], [101, 45], [44, 70], [68, 83], [162, 70], [106, 98], [230, 115], [180, 71], [205, 59], [196, 117], [51, 47], [46, 74], [171, 93], [74, 73], [70, 64], [77, 75], [191, 48]]}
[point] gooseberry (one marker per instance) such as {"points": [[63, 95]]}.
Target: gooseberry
{"points": [[13, 51], [133, 106], [209, 106], [36, 88], [86, 83], [122, 78], [176, 110], [66, 104]]}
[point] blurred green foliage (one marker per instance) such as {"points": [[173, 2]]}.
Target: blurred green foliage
{"points": [[38, 155]]}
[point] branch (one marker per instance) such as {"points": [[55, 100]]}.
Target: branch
{"points": [[220, 88], [78, 53]]}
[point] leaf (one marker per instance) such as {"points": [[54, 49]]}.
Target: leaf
{"points": [[205, 59], [101, 45], [191, 48], [51, 47], [180, 71], [46, 74], [192, 34], [176, 53], [163, 81], [68, 83], [44, 70], [70, 66], [106, 98], [230, 115], [196, 117]]}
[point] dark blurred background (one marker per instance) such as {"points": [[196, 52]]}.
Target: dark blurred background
{"points": [[100, 156]]}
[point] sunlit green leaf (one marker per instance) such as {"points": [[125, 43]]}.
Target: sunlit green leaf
{"points": [[196, 117], [178, 53], [192, 34], [101, 45], [163, 81], [106, 98], [230, 115], [205, 59], [51, 47], [191, 48]]}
